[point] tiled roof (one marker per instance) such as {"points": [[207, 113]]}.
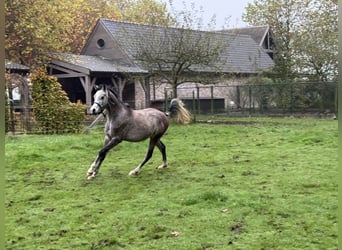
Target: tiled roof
{"points": [[257, 33], [241, 54], [97, 63]]}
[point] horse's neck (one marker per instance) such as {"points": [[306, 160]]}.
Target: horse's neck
{"points": [[118, 111]]}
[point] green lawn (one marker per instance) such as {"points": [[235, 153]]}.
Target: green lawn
{"points": [[253, 183]]}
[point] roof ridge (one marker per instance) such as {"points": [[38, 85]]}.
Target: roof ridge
{"points": [[129, 22], [250, 27], [165, 27]]}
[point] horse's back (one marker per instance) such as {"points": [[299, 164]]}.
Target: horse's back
{"points": [[152, 118], [147, 123]]}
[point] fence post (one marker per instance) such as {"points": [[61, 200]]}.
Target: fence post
{"points": [[194, 105], [165, 100], [238, 101], [198, 100], [336, 100], [11, 108], [250, 99], [212, 99], [291, 98]]}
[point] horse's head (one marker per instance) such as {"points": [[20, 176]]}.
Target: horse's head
{"points": [[100, 101]]}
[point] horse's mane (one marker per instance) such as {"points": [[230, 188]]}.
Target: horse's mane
{"points": [[113, 97]]}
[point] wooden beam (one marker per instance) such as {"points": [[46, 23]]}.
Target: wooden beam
{"points": [[68, 66], [69, 75]]}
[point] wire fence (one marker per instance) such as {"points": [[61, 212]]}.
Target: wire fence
{"points": [[21, 122], [261, 99], [296, 99]]}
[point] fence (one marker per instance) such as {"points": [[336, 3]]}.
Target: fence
{"points": [[316, 99], [22, 121], [265, 99]]}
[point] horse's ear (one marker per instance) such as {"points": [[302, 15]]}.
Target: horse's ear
{"points": [[100, 86]]}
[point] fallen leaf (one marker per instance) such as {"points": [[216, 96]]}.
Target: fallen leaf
{"points": [[225, 210]]}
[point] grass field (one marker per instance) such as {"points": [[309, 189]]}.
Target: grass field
{"points": [[247, 184]]}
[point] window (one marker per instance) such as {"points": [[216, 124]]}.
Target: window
{"points": [[100, 43]]}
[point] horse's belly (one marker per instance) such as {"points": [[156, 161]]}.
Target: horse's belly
{"points": [[140, 133], [136, 137]]}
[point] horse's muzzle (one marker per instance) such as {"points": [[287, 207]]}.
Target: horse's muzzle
{"points": [[96, 109]]}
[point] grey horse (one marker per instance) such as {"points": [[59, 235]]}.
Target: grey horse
{"points": [[126, 124]]}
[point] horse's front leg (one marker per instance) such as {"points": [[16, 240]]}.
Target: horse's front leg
{"points": [[95, 166]]}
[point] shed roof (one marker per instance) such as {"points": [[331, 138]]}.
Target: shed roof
{"points": [[241, 54], [88, 64]]}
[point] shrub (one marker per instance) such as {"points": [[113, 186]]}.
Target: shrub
{"points": [[53, 111]]}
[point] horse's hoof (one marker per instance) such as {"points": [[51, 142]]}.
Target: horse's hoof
{"points": [[90, 175], [133, 173], [162, 167]]}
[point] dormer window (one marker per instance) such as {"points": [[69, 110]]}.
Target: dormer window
{"points": [[100, 43]]}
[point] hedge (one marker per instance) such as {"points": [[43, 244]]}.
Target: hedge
{"points": [[53, 111]]}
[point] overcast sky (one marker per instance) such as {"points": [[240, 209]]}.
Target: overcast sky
{"points": [[223, 9]]}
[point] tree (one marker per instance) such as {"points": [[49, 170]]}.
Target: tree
{"points": [[315, 45], [145, 12], [173, 54], [305, 35], [33, 28], [82, 16]]}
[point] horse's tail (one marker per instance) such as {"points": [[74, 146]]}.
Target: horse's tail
{"points": [[179, 112]]}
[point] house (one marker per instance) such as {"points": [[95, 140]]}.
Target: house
{"points": [[110, 56]]}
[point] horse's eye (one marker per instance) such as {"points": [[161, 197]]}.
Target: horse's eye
{"points": [[102, 97]]}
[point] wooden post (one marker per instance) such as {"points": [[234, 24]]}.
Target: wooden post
{"points": [[88, 85], [147, 92]]}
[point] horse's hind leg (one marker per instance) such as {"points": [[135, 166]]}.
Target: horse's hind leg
{"points": [[162, 149], [147, 157]]}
